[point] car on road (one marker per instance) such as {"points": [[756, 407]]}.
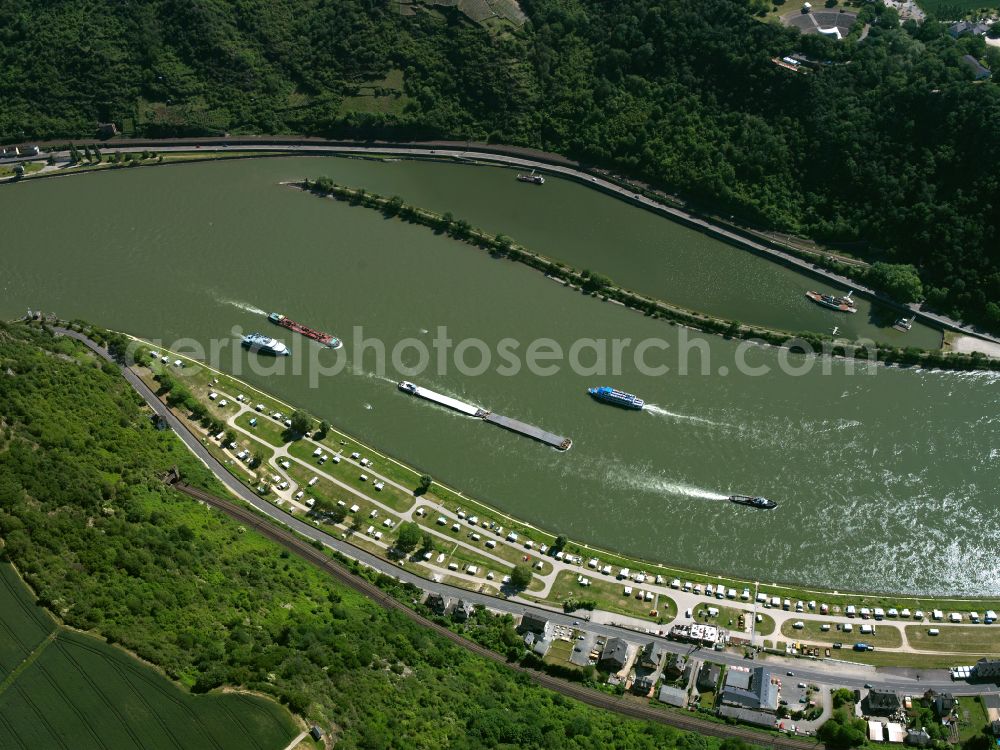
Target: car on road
{"points": [[868, 686], [790, 673]]}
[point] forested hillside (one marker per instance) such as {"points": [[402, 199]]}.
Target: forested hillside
{"points": [[887, 143], [112, 550]]}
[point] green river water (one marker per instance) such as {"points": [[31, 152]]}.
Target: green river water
{"points": [[885, 481]]}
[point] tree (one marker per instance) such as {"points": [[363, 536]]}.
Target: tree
{"points": [[520, 578], [561, 541], [842, 730], [899, 281], [841, 697], [230, 436], [257, 459], [300, 422], [426, 542], [393, 205], [408, 537], [324, 427], [425, 484]]}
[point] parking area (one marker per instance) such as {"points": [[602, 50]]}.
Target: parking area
{"points": [[586, 649], [806, 696]]}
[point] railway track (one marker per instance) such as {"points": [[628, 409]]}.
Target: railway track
{"points": [[634, 709]]}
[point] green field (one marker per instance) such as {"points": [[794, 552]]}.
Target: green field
{"points": [[75, 691], [23, 626], [884, 636], [976, 639]]}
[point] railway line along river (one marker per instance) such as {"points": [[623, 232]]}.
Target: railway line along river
{"points": [[885, 481]]}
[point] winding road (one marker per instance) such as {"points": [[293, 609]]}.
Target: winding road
{"points": [[829, 671]]}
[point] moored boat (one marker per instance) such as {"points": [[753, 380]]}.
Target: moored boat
{"points": [[841, 304], [903, 324], [534, 179], [258, 342], [311, 333], [761, 503], [608, 395]]}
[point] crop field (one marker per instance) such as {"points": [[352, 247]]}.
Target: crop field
{"points": [[23, 625], [78, 692]]}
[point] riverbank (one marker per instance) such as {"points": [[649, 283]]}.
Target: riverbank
{"points": [[556, 584], [448, 500], [603, 287]]}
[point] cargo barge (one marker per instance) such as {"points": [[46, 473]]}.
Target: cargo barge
{"points": [[310, 333], [841, 304], [534, 179], [514, 425]]}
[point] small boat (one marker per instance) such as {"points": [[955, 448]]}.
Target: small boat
{"points": [[841, 304], [608, 395], [407, 387], [761, 503], [534, 179], [903, 324], [258, 342]]}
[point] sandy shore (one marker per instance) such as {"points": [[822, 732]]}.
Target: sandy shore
{"points": [[968, 344]]}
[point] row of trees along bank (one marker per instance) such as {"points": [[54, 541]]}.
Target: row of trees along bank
{"points": [[599, 285]]}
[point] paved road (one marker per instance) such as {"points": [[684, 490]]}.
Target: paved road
{"points": [[540, 161], [846, 674]]}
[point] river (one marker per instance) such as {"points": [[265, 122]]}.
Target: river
{"points": [[885, 481]]}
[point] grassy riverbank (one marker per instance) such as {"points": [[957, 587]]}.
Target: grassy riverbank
{"points": [[200, 377], [603, 287], [113, 550]]}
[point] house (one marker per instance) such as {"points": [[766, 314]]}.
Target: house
{"points": [[942, 703], [652, 655], [979, 72], [750, 688], [675, 666], [614, 655], [895, 732], [672, 696], [437, 604], [537, 643], [106, 130], [977, 28], [987, 668], [995, 727], [876, 731], [643, 685], [708, 677], [316, 733], [917, 738], [747, 716], [531, 623], [462, 611], [880, 703]]}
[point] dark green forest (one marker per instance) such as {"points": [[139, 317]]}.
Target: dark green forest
{"points": [[110, 549], [886, 146]]}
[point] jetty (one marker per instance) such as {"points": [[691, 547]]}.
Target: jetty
{"points": [[514, 425], [535, 433]]}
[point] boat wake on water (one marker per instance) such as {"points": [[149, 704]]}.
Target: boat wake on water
{"points": [[661, 412], [372, 375], [644, 480], [245, 306]]}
